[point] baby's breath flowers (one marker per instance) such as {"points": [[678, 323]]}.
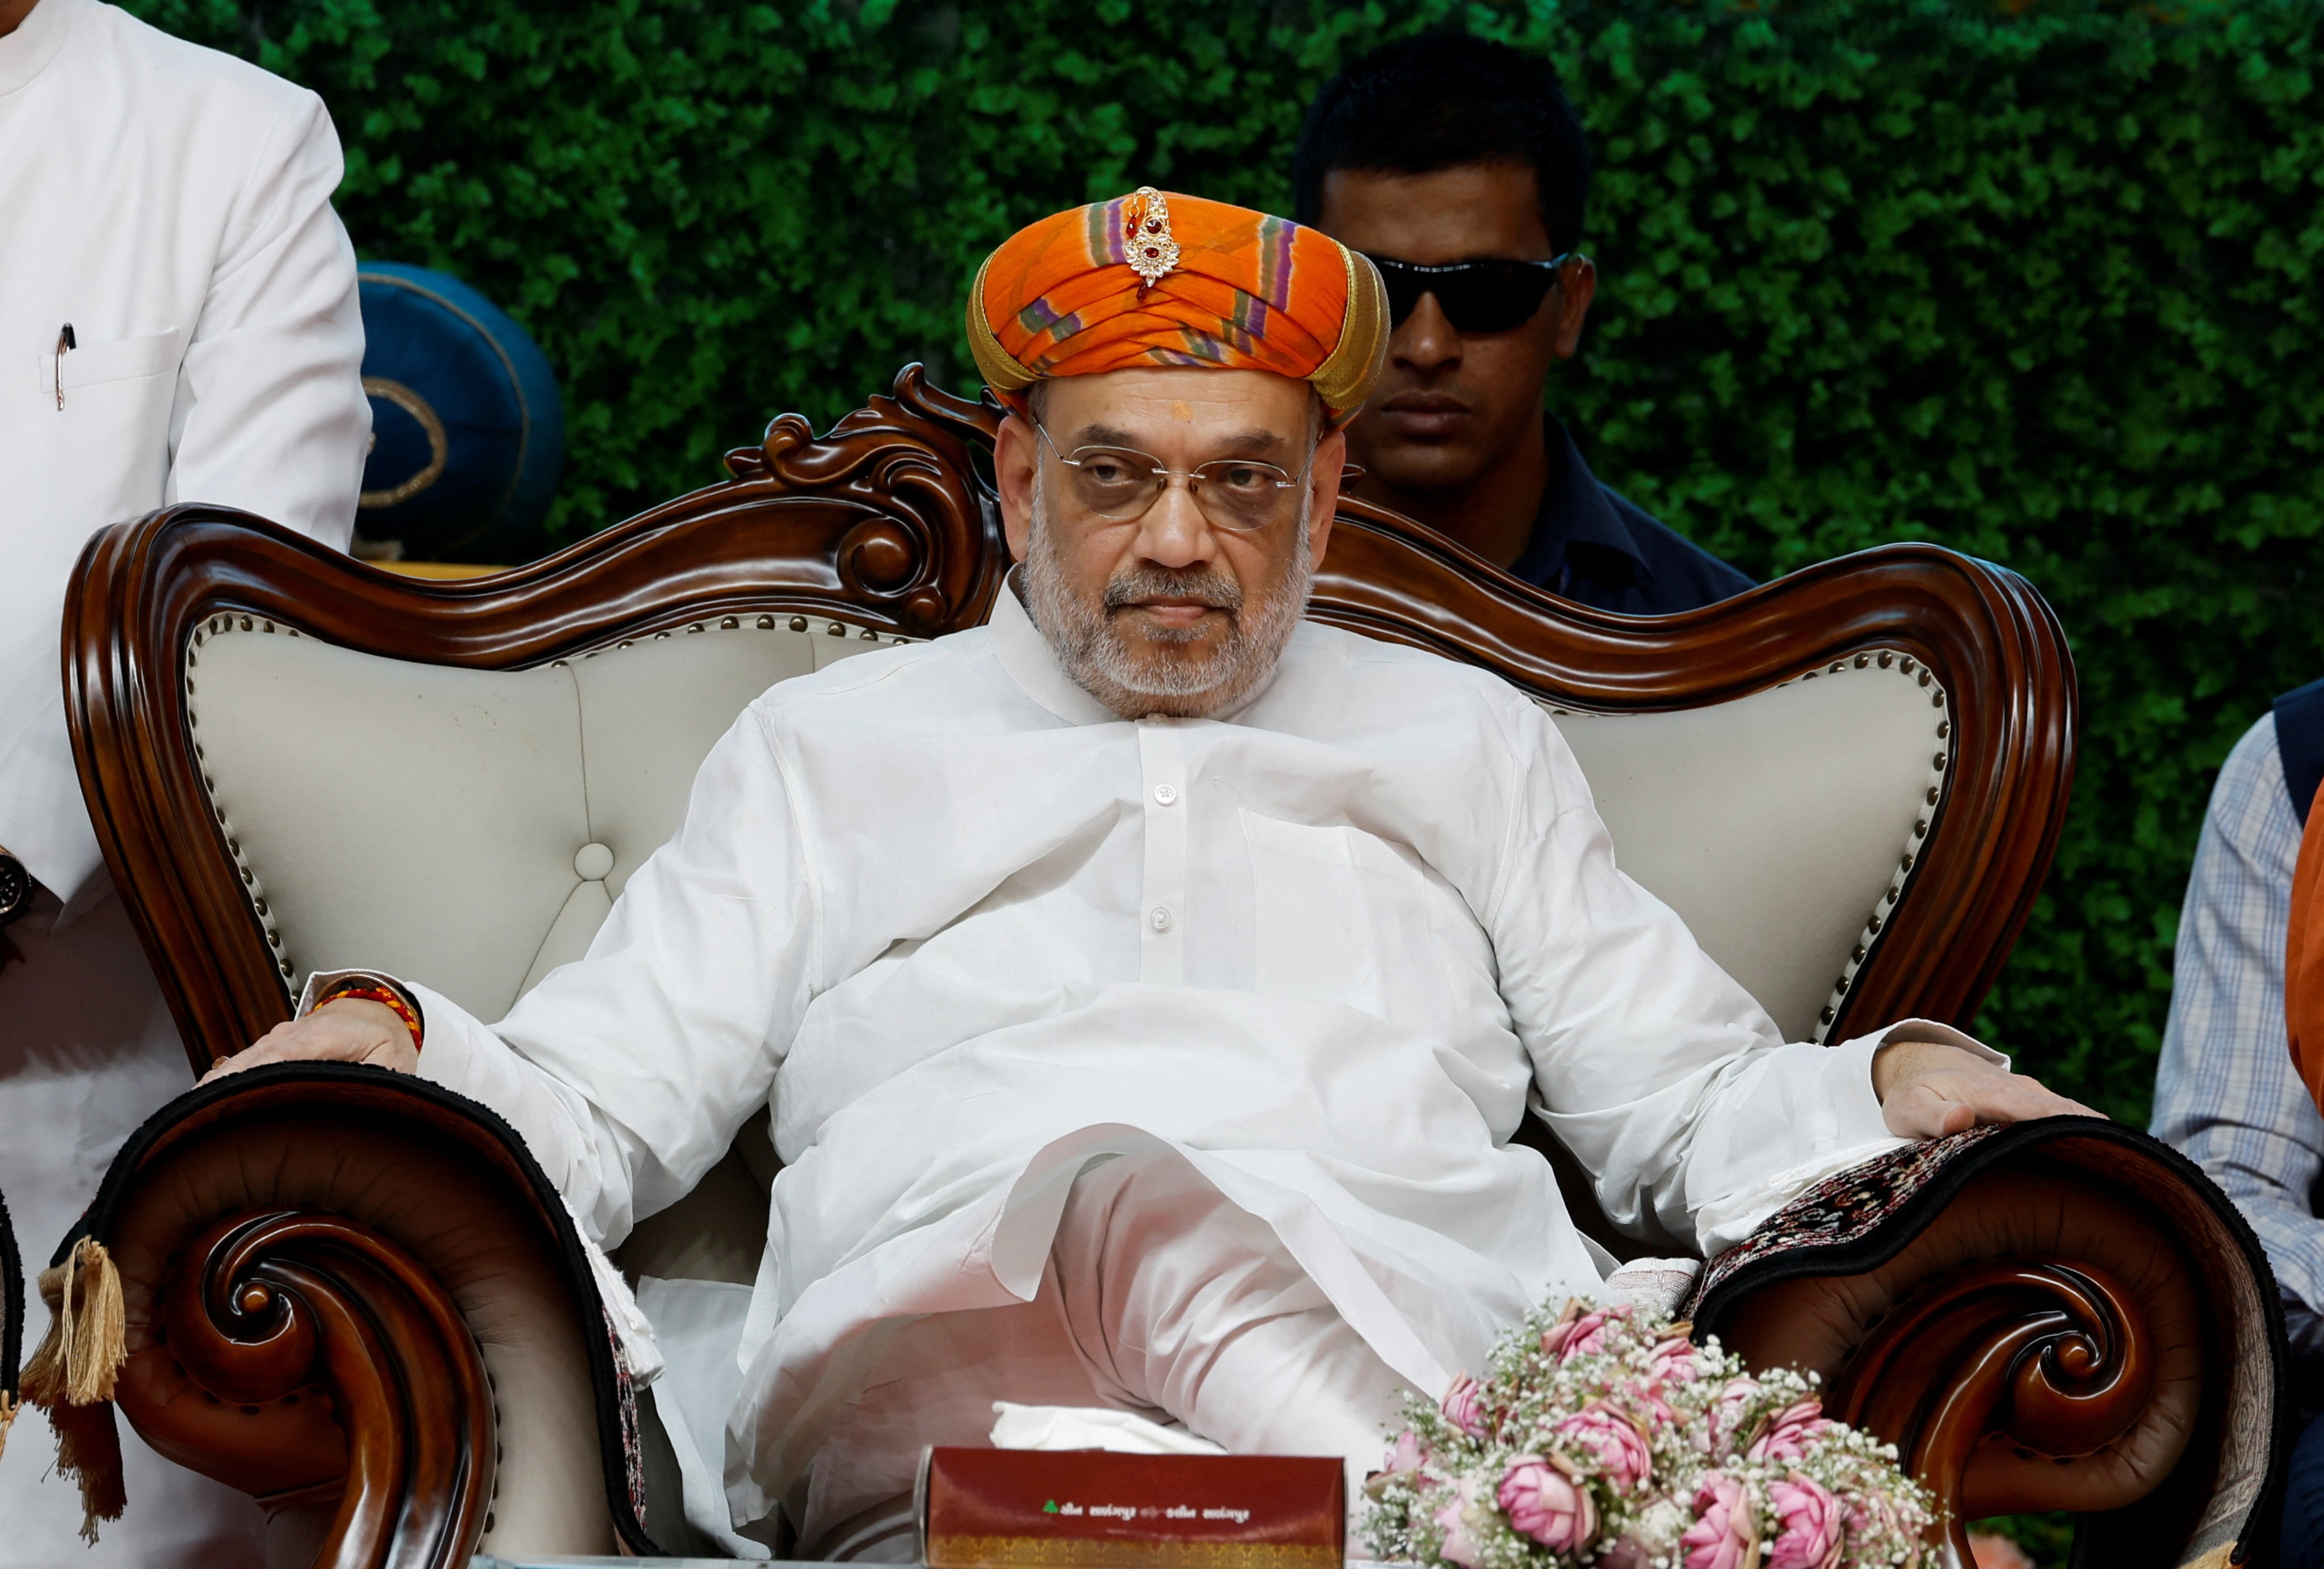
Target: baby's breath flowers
{"points": [[1603, 1435]]}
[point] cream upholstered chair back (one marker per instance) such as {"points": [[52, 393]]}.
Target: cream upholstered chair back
{"points": [[469, 829]]}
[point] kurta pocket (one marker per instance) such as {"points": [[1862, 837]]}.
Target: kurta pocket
{"points": [[124, 359]]}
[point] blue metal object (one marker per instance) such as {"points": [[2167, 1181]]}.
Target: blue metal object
{"points": [[467, 428]]}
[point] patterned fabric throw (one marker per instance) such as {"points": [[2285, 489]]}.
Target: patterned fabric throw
{"points": [[1156, 279]]}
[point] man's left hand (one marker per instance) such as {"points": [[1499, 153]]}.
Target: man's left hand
{"points": [[1928, 1089]]}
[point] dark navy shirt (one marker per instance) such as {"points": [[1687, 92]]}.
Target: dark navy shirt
{"points": [[1594, 544], [2299, 738]]}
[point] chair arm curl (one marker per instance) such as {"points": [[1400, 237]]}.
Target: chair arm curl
{"points": [[352, 1295]]}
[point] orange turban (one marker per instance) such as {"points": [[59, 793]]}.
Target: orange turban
{"points": [[1152, 279]]}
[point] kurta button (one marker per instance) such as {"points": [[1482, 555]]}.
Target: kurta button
{"points": [[592, 861], [1161, 917], [1166, 794]]}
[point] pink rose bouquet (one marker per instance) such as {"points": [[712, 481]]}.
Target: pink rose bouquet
{"points": [[1604, 1436]]}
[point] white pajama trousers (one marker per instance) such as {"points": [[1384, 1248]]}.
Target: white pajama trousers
{"points": [[1161, 1298]]}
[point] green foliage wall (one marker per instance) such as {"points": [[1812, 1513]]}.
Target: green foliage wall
{"points": [[2041, 286]]}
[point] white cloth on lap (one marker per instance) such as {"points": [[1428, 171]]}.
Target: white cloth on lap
{"points": [[1015, 1426]]}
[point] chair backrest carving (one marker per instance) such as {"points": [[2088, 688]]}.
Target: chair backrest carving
{"points": [[1849, 782]]}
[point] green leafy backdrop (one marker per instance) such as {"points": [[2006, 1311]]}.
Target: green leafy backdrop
{"points": [[2040, 282]]}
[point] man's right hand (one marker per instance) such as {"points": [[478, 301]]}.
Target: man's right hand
{"points": [[344, 1029]]}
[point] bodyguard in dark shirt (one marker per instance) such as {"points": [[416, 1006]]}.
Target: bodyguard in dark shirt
{"points": [[1458, 166]]}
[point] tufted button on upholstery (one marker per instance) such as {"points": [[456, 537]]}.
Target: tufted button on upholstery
{"points": [[592, 861]]}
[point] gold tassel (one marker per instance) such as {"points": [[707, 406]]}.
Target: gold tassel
{"points": [[72, 1375], [8, 1408], [89, 1451], [88, 1328]]}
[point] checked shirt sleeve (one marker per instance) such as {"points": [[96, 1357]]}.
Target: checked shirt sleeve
{"points": [[2225, 1093]]}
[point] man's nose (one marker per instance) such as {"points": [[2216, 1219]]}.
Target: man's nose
{"points": [[1426, 340], [1173, 533]]}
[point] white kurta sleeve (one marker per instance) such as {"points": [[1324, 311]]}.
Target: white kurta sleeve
{"points": [[628, 1072], [1663, 1075], [269, 414]]}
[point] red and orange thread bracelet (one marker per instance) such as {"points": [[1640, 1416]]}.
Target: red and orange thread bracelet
{"points": [[371, 991]]}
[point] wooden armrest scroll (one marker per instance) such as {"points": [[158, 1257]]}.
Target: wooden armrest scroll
{"points": [[354, 1297], [2055, 1361]]}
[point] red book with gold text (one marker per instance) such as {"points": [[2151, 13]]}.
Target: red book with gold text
{"points": [[1092, 1509]]}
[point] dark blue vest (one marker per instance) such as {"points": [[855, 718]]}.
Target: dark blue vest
{"points": [[2300, 737]]}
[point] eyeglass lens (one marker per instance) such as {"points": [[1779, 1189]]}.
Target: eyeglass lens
{"points": [[1488, 296], [1116, 484]]}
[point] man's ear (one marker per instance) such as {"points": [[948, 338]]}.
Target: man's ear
{"points": [[1015, 455], [1577, 286], [1323, 489]]}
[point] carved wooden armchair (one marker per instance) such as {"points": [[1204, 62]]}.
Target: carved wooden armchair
{"points": [[354, 1295]]}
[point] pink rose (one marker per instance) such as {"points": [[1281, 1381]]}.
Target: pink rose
{"points": [[1875, 1522], [1545, 1500], [1808, 1530], [1458, 1547], [1465, 1405], [1403, 1457], [1726, 1530], [1674, 1360], [1645, 1397], [1585, 1335], [1789, 1432], [1627, 1553], [1623, 1458], [1554, 1338], [1723, 1427]]}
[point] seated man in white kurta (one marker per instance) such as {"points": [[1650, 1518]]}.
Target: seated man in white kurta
{"points": [[1146, 985]]}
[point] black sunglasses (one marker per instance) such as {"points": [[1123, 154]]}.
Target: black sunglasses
{"points": [[1490, 296]]}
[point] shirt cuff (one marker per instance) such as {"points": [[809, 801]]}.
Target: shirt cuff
{"points": [[1861, 1118], [1942, 1035], [445, 1054]]}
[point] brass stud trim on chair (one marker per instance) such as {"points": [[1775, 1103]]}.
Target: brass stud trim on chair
{"points": [[1868, 939]]}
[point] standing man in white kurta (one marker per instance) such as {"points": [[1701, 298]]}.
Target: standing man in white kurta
{"points": [[1146, 985], [177, 322]]}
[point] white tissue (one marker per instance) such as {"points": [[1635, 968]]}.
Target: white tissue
{"points": [[1090, 1428]]}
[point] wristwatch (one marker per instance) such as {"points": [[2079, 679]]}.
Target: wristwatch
{"points": [[15, 887]]}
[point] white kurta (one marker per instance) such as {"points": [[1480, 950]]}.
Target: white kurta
{"points": [[968, 931], [173, 205]]}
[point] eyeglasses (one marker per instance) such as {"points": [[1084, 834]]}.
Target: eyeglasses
{"points": [[1119, 484], [1488, 296]]}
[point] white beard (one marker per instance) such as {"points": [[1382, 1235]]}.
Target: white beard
{"points": [[1135, 683]]}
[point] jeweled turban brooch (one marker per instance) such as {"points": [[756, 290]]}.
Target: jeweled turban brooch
{"points": [[1152, 252]]}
